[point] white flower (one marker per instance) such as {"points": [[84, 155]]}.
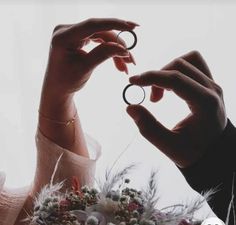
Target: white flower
{"points": [[122, 223], [92, 220]]}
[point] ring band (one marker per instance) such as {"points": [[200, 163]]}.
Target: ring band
{"points": [[134, 35], [124, 95]]}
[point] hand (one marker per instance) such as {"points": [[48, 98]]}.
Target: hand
{"points": [[190, 79], [70, 67]]}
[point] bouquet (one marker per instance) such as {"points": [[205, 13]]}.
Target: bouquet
{"points": [[112, 203]]}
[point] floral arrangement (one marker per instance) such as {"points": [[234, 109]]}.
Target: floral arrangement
{"points": [[112, 203]]}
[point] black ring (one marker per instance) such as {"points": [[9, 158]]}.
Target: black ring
{"points": [[134, 35], [124, 92]]}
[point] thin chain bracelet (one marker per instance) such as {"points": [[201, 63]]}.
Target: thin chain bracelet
{"points": [[65, 123]]}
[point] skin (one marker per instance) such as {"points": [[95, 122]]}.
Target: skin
{"points": [[68, 70], [70, 67], [189, 78]]}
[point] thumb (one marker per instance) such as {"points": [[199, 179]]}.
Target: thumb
{"points": [[150, 128]]}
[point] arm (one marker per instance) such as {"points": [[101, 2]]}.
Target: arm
{"points": [[69, 68], [216, 171], [194, 139], [61, 108]]}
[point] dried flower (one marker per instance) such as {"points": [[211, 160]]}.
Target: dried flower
{"points": [[109, 206], [92, 220], [127, 180]]}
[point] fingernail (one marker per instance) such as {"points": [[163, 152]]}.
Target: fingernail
{"points": [[99, 40], [126, 69], [130, 23], [152, 97], [123, 53], [132, 59], [134, 78]]}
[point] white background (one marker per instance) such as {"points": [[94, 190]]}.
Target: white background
{"points": [[167, 30]]}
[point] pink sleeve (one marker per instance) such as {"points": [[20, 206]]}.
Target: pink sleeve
{"points": [[12, 201], [2, 180], [70, 164]]}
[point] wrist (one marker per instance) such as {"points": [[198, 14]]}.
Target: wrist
{"points": [[57, 105]]}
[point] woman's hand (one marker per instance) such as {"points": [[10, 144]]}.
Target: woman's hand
{"points": [[190, 79], [70, 67]]}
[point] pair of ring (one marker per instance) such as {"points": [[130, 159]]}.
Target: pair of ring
{"points": [[131, 85]]}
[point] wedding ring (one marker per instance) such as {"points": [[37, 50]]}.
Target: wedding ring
{"points": [[134, 36], [140, 101]]}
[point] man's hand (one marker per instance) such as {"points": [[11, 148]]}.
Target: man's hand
{"points": [[189, 78]]}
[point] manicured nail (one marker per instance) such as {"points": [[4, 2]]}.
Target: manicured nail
{"points": [[126, 69], [132, 59], [98, 40], [132, 23], [152, 97], [123, 53]]}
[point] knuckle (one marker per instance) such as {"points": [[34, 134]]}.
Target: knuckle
{"points": [[218, 89], [90, 21], [212, 101], [175, 77], [196, 54], [151, 75], [179, 62], [55, 39], [57, 27]]}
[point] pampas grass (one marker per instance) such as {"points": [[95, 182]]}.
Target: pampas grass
{"points": [[111, 202], [150, 196]]}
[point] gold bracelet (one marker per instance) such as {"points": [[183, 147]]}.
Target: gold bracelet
{"points": [[65, 123]]}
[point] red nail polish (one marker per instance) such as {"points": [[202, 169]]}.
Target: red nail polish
{"points": [[126, 70], [132, 59], [152, 97]]}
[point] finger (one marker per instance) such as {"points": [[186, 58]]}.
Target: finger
{"points": [[104, 51], [186, 88], [61, 26], [156, 94], [120, 64], [196, 59], [110, 36], [130, 59], [150, 128], [89, 27], [189, 70], [59, 31]]}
